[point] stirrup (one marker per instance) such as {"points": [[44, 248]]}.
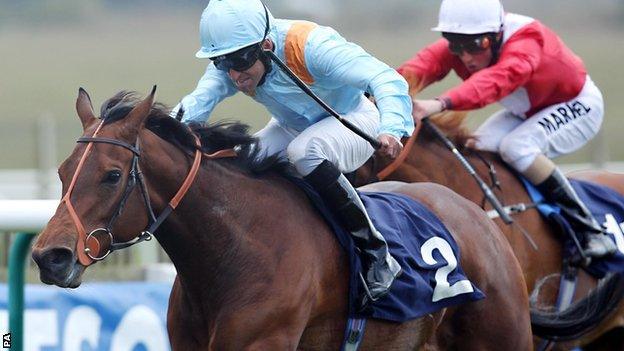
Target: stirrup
{"points": [[369, 295], [364, 302], [603, 246], [580, 260]]}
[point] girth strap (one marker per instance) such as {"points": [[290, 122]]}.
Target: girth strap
{"points": [[353, 334]]}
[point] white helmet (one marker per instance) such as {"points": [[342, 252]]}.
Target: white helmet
{"points": [[470, 16], [229, 25]]}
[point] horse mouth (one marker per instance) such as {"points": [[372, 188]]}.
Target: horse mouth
{"points": [[58, 266], [72, 280]]}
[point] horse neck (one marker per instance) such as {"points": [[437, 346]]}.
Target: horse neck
{"points": [[212, 238], [432, 162]]}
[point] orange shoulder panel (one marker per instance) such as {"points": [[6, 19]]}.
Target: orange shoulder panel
{"points": [[294, 49]]}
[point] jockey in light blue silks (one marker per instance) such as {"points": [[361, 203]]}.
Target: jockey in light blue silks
{"points": [[233, 34]]}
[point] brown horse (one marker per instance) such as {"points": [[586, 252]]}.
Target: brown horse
{"points": [[428, 160], [258, 268]]}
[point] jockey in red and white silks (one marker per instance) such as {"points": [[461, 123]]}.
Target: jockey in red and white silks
{"points": [[551, 105], [528, 79]]}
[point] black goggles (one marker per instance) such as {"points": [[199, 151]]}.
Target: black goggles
{"points": [[470, 44], [240, 60]]}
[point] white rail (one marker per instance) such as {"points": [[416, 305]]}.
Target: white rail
{"points": [[26, 215]]}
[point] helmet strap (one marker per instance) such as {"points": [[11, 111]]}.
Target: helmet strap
{"points": [[266, 61], [268, 65], [497, 42]]}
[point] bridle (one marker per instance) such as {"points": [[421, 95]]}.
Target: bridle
{"points": [[88, 246]]}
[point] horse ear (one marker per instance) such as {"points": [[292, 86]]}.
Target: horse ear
{"points": [[84, 108], [139, 113]]}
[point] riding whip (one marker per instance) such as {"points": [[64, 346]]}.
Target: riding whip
{"points": [[374, 142], [489, 195]]}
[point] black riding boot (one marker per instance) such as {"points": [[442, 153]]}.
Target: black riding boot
{"points": [[558, 189], [379, 267]]}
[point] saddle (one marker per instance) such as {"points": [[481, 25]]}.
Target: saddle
{"points": [[414, 236], [606, 205]]}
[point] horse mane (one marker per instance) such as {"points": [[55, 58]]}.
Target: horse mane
{"points": [[452, 124], [213, 137]]}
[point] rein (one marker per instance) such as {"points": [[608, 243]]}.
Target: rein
{"points": [[402, 155], [487, 191], [88, 243], [504, 212]]}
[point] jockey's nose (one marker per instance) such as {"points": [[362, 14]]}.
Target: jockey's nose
{"points": [[54, 264], [465, 56]]}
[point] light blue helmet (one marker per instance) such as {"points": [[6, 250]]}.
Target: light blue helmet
{"points": [[229, 25]]}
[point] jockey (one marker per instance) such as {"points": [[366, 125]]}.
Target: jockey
{"points": [[233, 34], [551, 105]]}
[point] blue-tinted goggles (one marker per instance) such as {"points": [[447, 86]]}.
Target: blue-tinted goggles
{"points": [[240, 60]]}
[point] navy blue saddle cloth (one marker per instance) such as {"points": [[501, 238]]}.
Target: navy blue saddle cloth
{"points": [[420, 243], [606, 205]]}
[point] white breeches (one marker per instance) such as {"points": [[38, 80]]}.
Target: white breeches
{"points": [[327, 139], [554, 131]]}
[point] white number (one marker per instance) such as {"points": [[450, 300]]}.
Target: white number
{"points": [[443, 289], [616, 229]]}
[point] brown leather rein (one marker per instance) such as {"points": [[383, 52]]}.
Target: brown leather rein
{"points": [[381, 175], [88, 246]]}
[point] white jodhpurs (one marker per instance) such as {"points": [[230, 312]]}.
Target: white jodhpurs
{"points": [[327, 139], [554, 131]]}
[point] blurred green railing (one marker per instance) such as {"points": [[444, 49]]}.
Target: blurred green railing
{"points": [[23, 217], [17, 261]]}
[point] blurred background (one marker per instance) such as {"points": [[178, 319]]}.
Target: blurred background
{"points": [[50, 48]]}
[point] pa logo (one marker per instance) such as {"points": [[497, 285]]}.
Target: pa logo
{"points": [[6, 341]]}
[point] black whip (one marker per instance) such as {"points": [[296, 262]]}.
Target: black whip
{"points": [[489, 195], [374, 142]]}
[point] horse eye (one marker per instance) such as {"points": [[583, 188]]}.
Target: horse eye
{"points": [[112, 177]]}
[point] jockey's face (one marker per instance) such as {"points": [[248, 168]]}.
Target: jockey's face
{"points": [[247, 80], [474, 50], [476, 61]]}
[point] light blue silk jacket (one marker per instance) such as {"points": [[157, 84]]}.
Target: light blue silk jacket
{"points": [[338, 71]]}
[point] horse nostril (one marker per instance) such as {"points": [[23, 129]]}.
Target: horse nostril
{"points": [[54, 260], [58, 258]]}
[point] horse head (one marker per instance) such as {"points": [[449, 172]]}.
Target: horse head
{"points": [[101, 204]]}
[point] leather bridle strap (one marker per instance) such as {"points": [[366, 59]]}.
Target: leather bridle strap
{"points": [[83, 258], [135, 150], [190, 178]]}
